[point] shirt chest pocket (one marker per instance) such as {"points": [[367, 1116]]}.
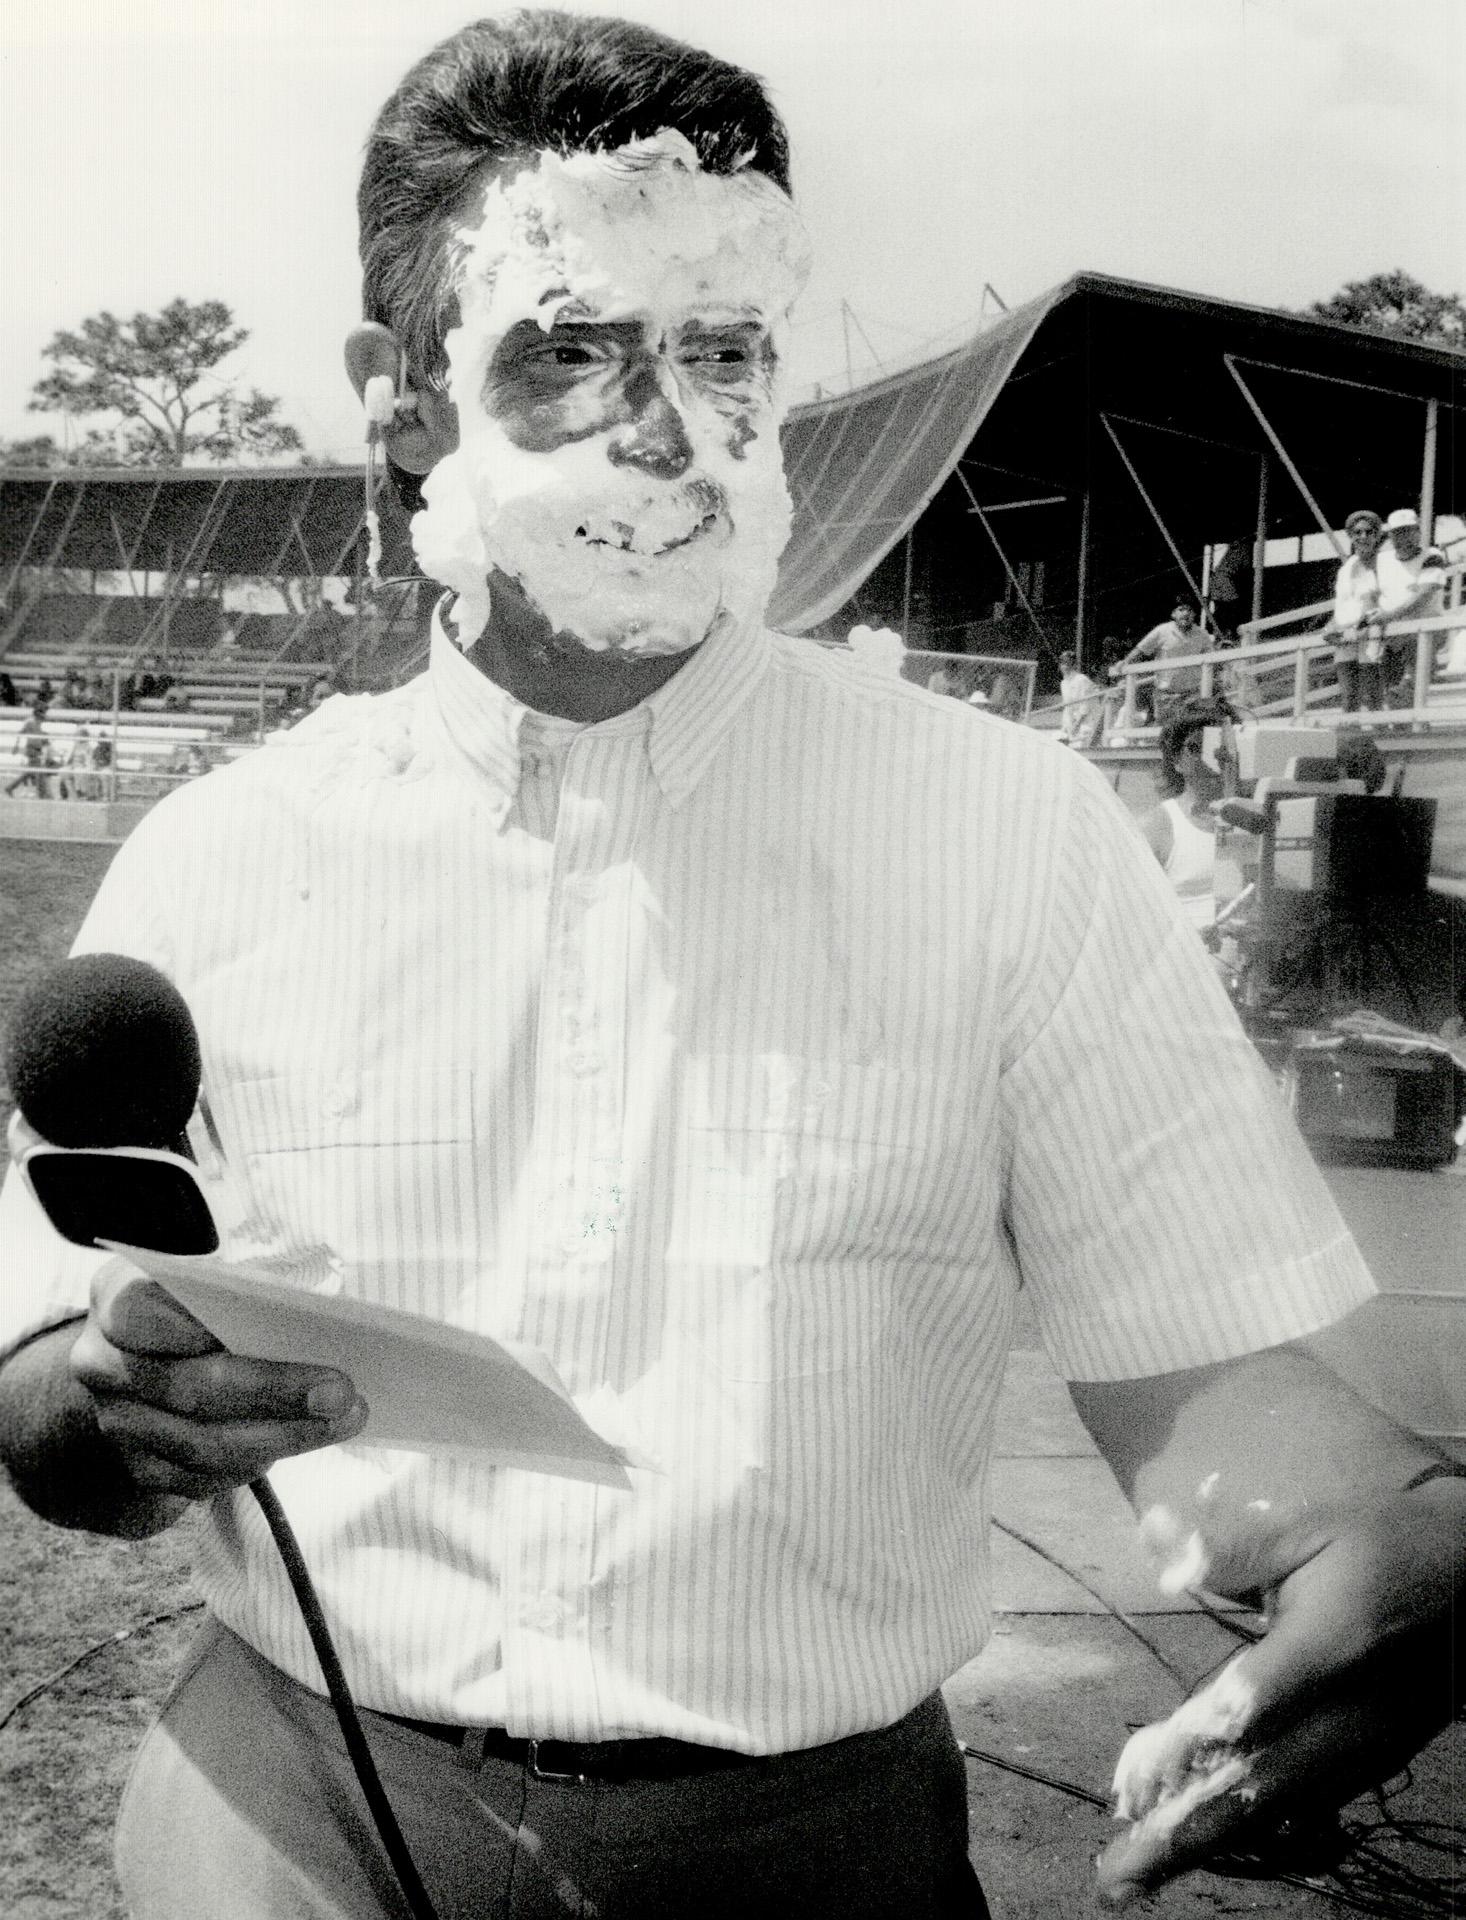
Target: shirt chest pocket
{"points": [[805, 1195], [378, 1170]]}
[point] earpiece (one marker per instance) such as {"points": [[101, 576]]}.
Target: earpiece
{"points": [[379, 400], [383, 398]]}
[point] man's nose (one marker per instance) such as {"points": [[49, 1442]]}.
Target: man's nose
{"points": [[655, 438]]}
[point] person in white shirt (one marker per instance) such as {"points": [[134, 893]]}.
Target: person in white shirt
{"points": [[1182, 830], [1083, 703], [1355, 625], [606, 990], [1412, 585]]}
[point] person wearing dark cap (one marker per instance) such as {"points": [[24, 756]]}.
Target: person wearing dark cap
{"points": [[1356, 625]]}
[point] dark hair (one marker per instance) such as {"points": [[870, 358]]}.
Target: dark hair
{"points": [[1193, 719], [503, 89], [1360, 759]]}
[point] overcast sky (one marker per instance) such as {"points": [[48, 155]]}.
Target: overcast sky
{"points": [[1260, 150]]}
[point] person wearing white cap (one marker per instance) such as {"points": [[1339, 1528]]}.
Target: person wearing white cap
{"points": [[1355, 626], [1412, 584]]}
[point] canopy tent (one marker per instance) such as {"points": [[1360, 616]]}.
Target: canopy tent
{"points": [[1074, 460], [864, 467], [1055, 479]]}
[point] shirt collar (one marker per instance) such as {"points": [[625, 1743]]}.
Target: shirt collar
{"points": [[683, 723]]}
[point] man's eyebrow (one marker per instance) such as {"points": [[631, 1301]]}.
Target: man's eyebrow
{"points": [[745, 322], [526, 333]]}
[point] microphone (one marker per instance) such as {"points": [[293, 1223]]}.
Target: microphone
{"points": [[105, 1065], [104, 1062]]}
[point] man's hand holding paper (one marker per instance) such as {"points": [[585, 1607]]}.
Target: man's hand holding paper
{"points": [[188, 1418]]}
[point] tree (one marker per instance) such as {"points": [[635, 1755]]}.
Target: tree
{"points": [[94, 449], [155, 372], [1397, 303]]}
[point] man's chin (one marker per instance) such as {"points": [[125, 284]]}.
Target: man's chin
{"points": [[653, 643], [612, 623]]}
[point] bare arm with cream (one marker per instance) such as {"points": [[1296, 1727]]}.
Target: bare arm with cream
{"points": [[1267, 1480]]}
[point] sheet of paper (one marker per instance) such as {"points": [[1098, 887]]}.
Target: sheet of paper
{"points": [[429, 1387]]}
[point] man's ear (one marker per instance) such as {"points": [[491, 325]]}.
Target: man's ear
{"points": [[424, 424]]}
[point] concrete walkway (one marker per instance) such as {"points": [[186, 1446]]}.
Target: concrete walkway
{"points": [[1063, 1681]]}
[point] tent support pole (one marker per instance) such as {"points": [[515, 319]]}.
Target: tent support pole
{"points": [[1082, 593], [906, 590], [1282, 452], [1013, 580], [1259, 543], [1427, 473], [1152, 509]]}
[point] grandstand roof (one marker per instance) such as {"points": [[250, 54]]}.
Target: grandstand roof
{"points": [[1022, 421], [1019, 413], [225, 520]]}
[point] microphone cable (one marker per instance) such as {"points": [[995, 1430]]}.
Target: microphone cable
{"points": [[360, 1753]]}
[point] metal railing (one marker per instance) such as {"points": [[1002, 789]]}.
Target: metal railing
{"points": [[1240, 669]]}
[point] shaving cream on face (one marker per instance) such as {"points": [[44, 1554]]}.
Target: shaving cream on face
{"points": [[610, 304]]}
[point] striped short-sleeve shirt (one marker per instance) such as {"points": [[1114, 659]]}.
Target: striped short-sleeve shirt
{"points": [[744, 1054]]}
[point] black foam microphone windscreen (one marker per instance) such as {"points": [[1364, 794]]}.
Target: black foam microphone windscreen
{"points": [[104, 1053]]}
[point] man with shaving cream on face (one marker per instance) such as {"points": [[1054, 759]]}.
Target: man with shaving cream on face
{"points": [[605, 990]]}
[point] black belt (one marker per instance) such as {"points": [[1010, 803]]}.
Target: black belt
{"points": [[584, 1762]]}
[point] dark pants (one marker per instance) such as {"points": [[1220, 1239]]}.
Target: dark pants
{"points": [[1362, 683], [242, 1806]]}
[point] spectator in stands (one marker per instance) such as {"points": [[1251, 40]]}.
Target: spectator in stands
{"points": [[1182, 830], [72, 689], [1083, 703], [1230, 589], [1005, 696], [8, 696], [46, 692], [1173, 638], [945, 682], [36, 748], [1355, 624], [1412, 585], [98, 693], [322, 688], [76, 781]]}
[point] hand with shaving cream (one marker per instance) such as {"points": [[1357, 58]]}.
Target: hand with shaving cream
{"points": [[1263, 1480]]}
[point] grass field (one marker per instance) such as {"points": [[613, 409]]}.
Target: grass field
{"points": [[64, 1754]]}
